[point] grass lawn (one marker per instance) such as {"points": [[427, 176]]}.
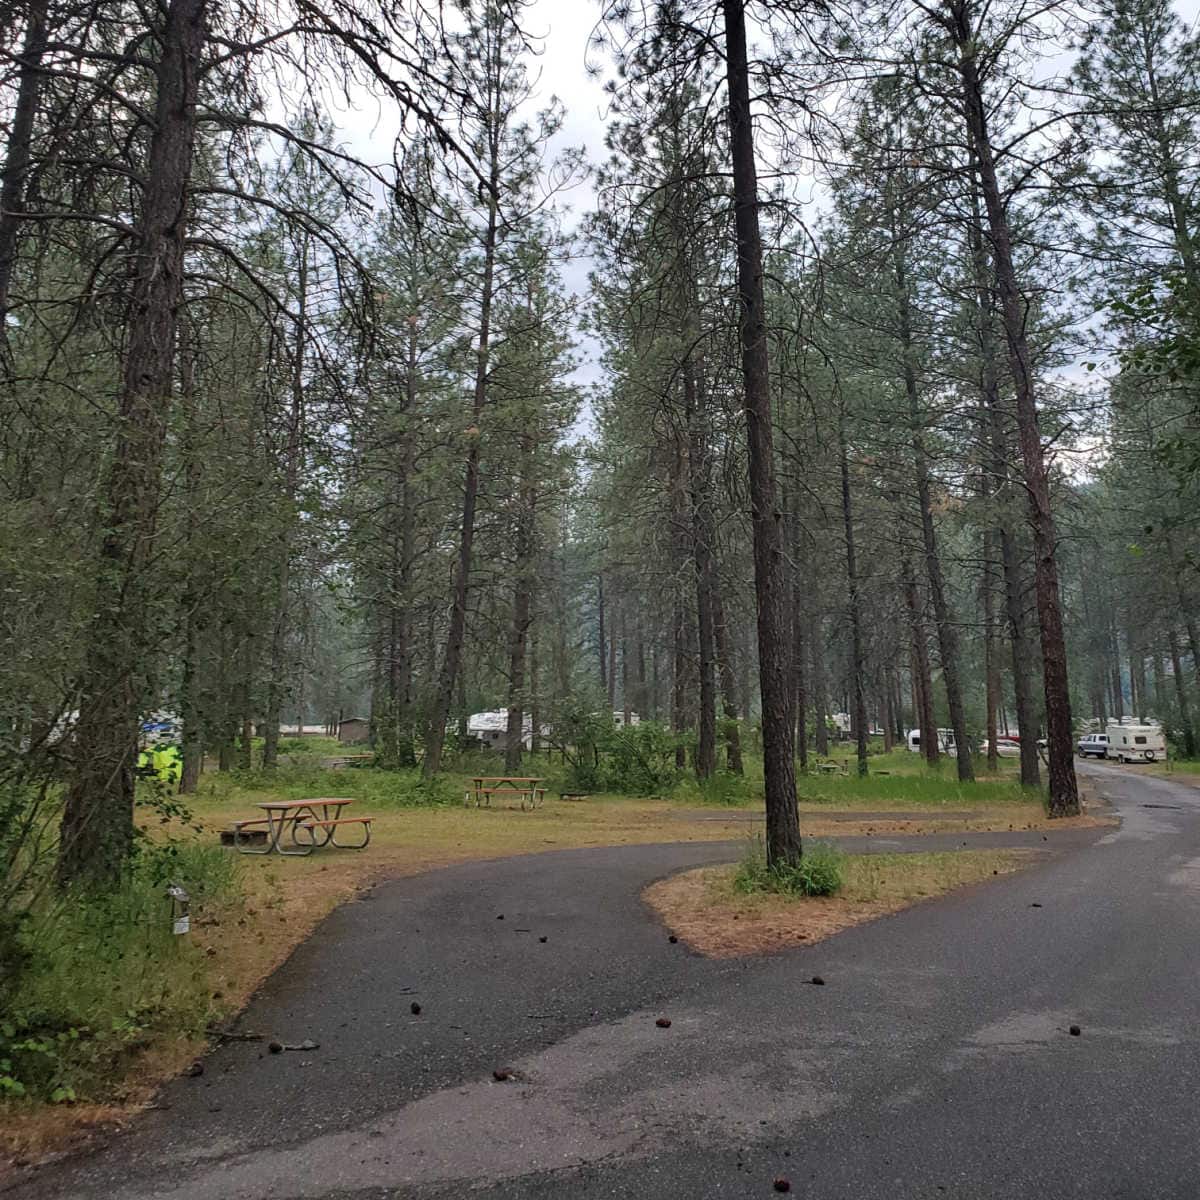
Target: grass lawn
{"points": [[704, 909], [1182, 770], [897, 781]]}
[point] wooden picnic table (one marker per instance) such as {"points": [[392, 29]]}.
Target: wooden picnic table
{"points": [[525, 786], [291, 816]]}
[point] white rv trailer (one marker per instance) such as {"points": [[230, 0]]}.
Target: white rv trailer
{"points": [[945, 740], [1135, 743]]}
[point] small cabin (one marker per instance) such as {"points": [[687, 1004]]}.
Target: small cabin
{"points": [[353, 731]]}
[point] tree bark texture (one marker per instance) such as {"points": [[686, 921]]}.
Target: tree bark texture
{"points": [[448, 675], [779, 768], [278, 668], [522, 613], [96, 834], [856, 640], [1064, 791], [922, 678], [1181, 697], [19, 152], [947, 632], [697, 469], [1001, 486]]}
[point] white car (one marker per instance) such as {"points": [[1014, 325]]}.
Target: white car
{"points": [[1005, 748], [1095, 744]]}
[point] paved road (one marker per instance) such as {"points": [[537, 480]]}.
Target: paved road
{"points": [[936, 1061]]}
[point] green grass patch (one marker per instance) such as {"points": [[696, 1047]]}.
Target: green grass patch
{"points": [[903, 780], [820, 872], [366, 785], [1185, 766], [722, 790]]}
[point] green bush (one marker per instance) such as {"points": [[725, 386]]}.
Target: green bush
{"points": [[722, 789], [820, 872], [102, 974], [637, 760], [584, 777]]}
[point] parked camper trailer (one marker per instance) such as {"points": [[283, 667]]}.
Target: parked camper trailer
{"points": [[1135, 743], [945, 740]]}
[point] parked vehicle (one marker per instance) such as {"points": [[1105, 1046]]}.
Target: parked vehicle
{"points": [[1136, 743], [1005, 747], [160, 729], [1094, 745], [945, 740]]}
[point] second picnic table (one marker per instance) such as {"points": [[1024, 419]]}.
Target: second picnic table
{"points": [[525, 786], [292, 815]]}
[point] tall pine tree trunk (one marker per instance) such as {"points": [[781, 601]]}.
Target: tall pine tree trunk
{"points": [[192, 737], [19, 152], [1064, 791], [600, 633], [998, 459], [947, 632], [451, 666], [991, 665], [697, 468], [729, 700], [1022, 661], [522, 614], [277, 672], [922, 676], [820, 693], [799, 682], [779, 766], [857, 666], [679, 621], [1181, 697], [96, 834]]}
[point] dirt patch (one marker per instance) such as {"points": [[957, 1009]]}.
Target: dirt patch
{"points": [[703, 910]]}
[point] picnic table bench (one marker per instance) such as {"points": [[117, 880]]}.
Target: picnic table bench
{"points": [[339, 761], [524, 786], [831, 768], [299, 820]]}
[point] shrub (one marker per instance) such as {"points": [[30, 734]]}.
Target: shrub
{"points": [[640, 759], [820, 872], [723, 789], [102, 974], [583, 777]]}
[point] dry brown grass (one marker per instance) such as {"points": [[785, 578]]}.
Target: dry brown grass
{"points": [[702, 908]]}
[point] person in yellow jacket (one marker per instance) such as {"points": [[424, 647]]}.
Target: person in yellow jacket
{"points": [[164, 763]]}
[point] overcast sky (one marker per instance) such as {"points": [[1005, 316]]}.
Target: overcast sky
{"points": [[564, 28]]}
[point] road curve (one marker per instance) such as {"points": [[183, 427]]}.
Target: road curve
{"points": [[936, 1061]]}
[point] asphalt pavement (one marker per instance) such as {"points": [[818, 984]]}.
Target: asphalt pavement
{"points": [[937, 1060]]}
